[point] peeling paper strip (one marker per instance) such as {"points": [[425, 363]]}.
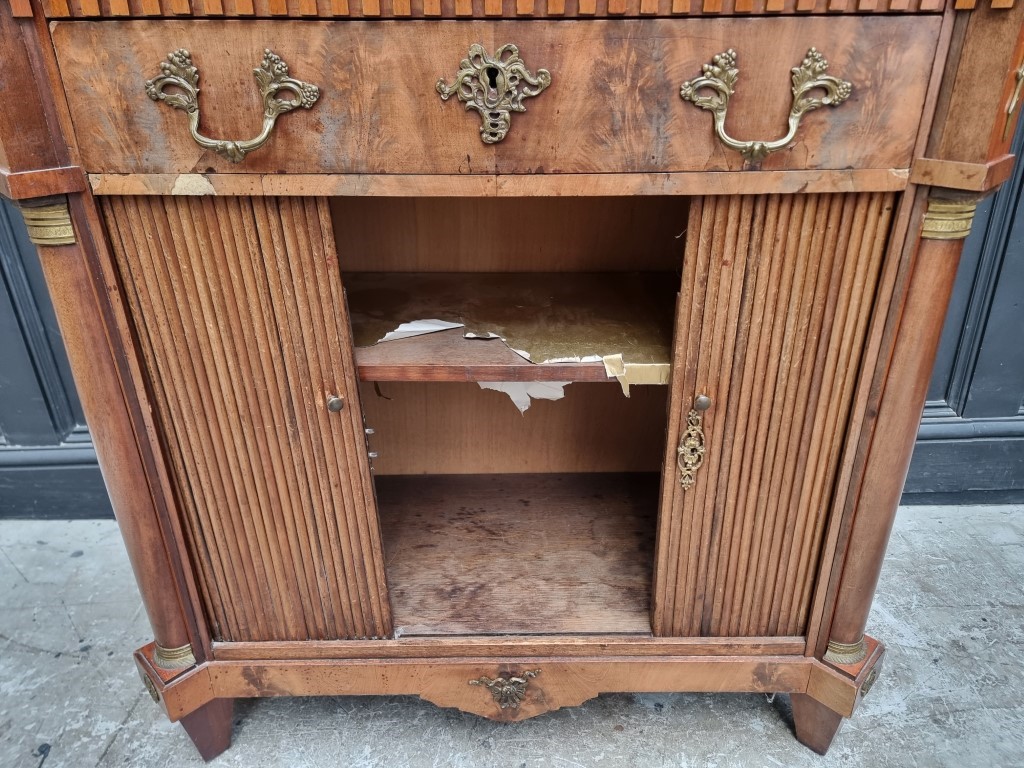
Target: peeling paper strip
{"points": [[635, 373], [524, 392], [584, 359], [418, 328]]}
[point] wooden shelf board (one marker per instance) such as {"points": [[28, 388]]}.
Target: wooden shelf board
{"points": [[548, 315], [519, 554], [450, 356]]}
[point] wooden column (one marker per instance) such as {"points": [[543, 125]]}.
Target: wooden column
{"points": [[946, 223], [65, 261], [37, 170]]}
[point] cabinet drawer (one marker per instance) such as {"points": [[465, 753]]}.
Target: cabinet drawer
{"points": [[613, 105]]}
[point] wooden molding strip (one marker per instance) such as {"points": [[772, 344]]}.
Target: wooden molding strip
{"points": [[47, 182], [971, 177], [510, 647], [470, 9], [573, 185]]}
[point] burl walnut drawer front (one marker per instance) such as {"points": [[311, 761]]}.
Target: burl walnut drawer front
{"points": [[613, 103]]}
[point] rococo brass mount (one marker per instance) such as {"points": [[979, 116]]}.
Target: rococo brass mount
{"points": [[720, 77], [690, 453], [508, 692], [495, 87], [179, 74]]}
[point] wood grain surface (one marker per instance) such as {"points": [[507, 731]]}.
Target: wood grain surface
{"points": [[567, 234], [777, 292], [519, 554], [459, 428], [241, 320], [561, 682], [567, 186], [512, 646], [613, 105]]}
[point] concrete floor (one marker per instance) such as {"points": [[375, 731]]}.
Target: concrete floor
{"points": [[950, 608]]}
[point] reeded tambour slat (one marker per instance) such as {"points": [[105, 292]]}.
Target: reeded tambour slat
{"points": [[777, 292], [238, 308]]}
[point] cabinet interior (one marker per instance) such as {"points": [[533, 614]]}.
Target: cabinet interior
{"points": [[497, 520]]}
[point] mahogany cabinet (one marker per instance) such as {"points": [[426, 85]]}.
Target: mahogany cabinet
{"points": [[504, 353]]}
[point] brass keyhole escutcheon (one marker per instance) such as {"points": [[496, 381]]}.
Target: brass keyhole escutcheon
{"points": [[495, 87], [690, 453]]}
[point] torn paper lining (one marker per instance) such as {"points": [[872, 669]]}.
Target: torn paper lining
{"points": [[524, 392], [634, 373], [418, 328], [615, 367]]}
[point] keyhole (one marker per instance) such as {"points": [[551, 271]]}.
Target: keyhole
{"points": [[492, 76]]}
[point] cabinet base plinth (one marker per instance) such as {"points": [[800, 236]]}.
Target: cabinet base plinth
{"points": [[516, 685]]}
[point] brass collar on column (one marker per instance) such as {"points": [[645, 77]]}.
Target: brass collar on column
{"points": [[48, 224], [174, 658], [948, 219]]}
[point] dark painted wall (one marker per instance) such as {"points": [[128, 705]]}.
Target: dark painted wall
{"points": [[47, 462], [971, 442]]}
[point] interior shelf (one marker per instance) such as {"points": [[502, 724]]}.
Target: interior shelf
{"points": [[519, 553], [565, 323]]}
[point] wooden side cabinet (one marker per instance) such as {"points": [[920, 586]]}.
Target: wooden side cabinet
{"points": [[568, 347]]}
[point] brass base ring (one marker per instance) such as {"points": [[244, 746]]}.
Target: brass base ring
{"points": [[174, 658], [846, 653]]}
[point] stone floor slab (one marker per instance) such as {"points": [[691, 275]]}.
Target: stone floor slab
{"points": [[950, 607]]}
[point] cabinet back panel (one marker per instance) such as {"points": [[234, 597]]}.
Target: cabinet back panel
{"points": [[772, 319], [461, 429], [511, 234], [243, 328]]}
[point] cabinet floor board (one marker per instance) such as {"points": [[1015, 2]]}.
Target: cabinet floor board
{"points": [[523, 554]]}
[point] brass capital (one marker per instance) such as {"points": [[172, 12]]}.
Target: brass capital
{"points": [[48, 221], [948, 219]]}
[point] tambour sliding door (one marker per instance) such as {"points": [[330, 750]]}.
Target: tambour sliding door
{"points": [[774, 306], [238, 308]]}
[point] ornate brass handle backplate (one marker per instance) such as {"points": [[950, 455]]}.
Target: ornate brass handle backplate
{"points": [[690, 453], [179, 75], [720, 78], [494, 86]]}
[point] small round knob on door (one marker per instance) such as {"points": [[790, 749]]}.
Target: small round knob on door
{"points": [[335, 403], [702, 403]]}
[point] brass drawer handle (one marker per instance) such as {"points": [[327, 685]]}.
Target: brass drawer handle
{"points": [[495, 87], [179, 74], [690, 453], [720, 76]]}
